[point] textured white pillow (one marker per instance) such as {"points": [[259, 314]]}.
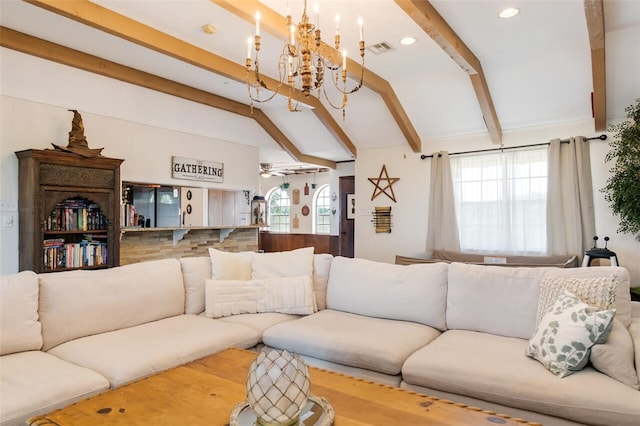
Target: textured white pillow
{"points": [[598, 292], [321, 269], [20, 329], [286, 295], [615, 357], [562, 341], [230, 266], [294, 263]]}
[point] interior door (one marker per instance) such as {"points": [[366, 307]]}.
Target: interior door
{"points": [[347, 225]]}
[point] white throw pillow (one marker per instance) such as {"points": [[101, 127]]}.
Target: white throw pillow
{"points": [[230, 266], [615, 357], [598, 292], [286, 295], [294, 263], [562, 341]]}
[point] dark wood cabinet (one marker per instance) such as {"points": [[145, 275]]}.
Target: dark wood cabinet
{"points": [[69, 211]]}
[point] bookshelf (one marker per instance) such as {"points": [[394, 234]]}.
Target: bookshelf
{"points": [[69, 211]]}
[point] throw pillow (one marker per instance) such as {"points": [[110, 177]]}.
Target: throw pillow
{"points": [[598, 292], [615, 357], [230, 266], [562, 341], [294, 263], [286, 295]]}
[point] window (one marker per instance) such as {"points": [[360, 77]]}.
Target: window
{"points": [[322, 211], [501, 201], [279, 210]]}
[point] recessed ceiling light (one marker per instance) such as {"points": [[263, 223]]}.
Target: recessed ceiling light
{"points": [[407, 41], [509, 12]]}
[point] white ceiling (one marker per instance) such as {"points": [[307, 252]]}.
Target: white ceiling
{"points": [[537, 65]]}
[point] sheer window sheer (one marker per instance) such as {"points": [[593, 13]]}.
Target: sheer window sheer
{"points": [[501, 200]]}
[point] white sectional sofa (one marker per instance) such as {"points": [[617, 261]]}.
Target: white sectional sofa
{"points": [[450, 330]]}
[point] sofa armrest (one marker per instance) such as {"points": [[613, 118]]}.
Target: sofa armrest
{"points": [[634, 330]]}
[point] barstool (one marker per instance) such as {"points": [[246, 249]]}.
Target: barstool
{"points": [[599, 253]]}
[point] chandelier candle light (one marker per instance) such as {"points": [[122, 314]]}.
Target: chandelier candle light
{"points": [[303, 61]]}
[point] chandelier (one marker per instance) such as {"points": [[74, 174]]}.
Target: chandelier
{"points": [[303, 63]]}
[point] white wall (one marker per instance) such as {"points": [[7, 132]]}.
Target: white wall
{"points": [[146, 149], [298, 182], [408, 236]]}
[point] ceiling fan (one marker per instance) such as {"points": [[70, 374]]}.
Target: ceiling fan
{"points": [[266, 170]]}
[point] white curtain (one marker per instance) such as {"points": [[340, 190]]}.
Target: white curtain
{"points": [[442, 227], [570, 212], [501, 200]]}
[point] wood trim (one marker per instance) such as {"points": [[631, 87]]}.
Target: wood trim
{"points": [[135, 32], [428, 18], [273, 23], [277, 242], [594, 12], [28, 44]]}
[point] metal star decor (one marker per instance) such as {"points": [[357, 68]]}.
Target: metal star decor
{"points": [[383, 190]]}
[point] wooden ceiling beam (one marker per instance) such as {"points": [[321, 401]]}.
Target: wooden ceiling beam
{"points": [[274, 24], [594, 12], [106, 20], [44, 49], [431, 22]]}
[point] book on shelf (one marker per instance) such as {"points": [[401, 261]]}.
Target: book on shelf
{"points": [[76, 215], [92, 250]]}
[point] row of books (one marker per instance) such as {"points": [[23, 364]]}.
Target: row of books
{"points": [[91, 251], [128, 216], [76, 215]]}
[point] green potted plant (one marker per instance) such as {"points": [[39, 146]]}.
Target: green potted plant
{"points": [[622, 190]]}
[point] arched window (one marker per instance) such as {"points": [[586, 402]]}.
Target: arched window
{"points": [[279, 210], [322, 211]]}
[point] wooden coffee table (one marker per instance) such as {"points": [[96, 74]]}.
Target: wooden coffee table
{"points": [[205, 391]]}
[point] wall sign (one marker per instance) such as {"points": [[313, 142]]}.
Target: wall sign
{"points": [[192, 169]]}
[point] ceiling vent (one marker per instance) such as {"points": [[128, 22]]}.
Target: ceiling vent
{"points": [[379, 48]]}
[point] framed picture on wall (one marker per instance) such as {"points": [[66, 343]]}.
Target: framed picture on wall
{"points": [[351, 206]]}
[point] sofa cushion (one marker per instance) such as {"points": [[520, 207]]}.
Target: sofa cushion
{"points": [[615, 357], [562, 341], [286, 295], [493, 299], [230, 266], [599, 292], [292, 263], [259, 322], [20, 329], [373, 343], [493, 368], [195, 271], [34, 383], [634, 332], [415, 293], [136, 352], [81, 303]]}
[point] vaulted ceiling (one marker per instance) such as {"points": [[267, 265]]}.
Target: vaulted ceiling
{"points": [[470, 72]]}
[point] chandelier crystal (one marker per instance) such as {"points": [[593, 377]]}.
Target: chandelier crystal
{"points": [[303, 63]]}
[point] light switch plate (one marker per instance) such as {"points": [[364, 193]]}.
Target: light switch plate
{"points": [[8, 205]]}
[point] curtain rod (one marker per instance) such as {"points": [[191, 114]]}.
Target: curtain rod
{"points": [[602, 137]]}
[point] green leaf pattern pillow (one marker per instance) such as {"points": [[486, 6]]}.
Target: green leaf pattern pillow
{"points": [[563, 339]]}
